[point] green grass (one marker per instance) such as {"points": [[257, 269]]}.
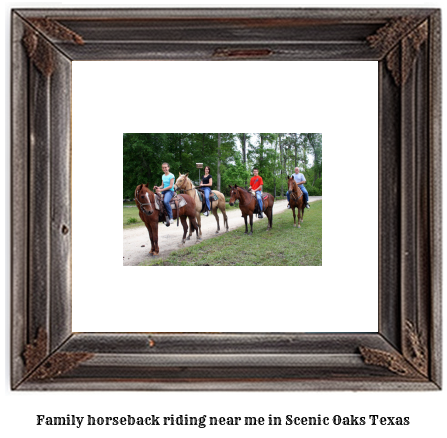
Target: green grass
{"points": [[283, 245], [131, 218]]}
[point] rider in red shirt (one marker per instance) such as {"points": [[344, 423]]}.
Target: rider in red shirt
{"points": [[256, 184]]}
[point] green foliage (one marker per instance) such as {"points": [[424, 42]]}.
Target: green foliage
{"points": [[235, 174], [132, 220], [275, 155]]}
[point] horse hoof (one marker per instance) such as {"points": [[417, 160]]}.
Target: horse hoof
{"points": [[151, 252], [199, 238], [217, 232], [250, 234], [156, 253], [188, 238]]}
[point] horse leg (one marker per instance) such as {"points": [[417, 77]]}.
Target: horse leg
{"points": [[299, 217], [185, 227], [217, 218], [294, 218], [196, 226], [251, 225], [246, 225], [199, 222], [190, 229], [224, 213], [154, 228], [149, 229], [268, 212]]}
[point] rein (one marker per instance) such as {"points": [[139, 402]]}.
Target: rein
{"points": [[241, 197], [182, 189], [295, 191]]}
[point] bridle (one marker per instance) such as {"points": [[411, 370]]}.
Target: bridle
{"points": [[240, 196], [148, 213], [295, 191], [182, 189]]}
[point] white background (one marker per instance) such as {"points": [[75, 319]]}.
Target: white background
{"points": [[18, 410], [110, 98]]}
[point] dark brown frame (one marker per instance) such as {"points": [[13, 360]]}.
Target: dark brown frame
{"points": [[405, 354]]}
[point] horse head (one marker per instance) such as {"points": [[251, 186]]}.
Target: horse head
{"points": [[291, 183], [234, 194], [142, 199], [182, 182]]}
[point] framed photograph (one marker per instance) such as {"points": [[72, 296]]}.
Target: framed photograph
{"points": [[405, 352]]}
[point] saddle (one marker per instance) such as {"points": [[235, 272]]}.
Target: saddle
{"points": [[172, 202], [176, 200], [201, 195], [264, 197]]}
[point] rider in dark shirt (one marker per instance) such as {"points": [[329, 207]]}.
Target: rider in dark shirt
{"points": [[205, 184]]}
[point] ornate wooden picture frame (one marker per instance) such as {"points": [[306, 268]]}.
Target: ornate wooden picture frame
{"points": [[405, 353]]}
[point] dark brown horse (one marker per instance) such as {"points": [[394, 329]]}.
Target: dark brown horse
{"points": [[145, 201], [296, 200], [247, 204]]}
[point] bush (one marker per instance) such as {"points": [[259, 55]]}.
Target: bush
{"points": [[313, 191], [132, 220]]}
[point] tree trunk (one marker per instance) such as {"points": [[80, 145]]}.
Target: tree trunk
{"points": [[218, 162], [180, 147], [244, 156], [280, 162], [274, 173], [296, 150], [261, 152]]}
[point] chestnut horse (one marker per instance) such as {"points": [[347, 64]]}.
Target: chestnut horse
{"points": [[184, 184], [145, 201], [296, 200], [247, 204]]}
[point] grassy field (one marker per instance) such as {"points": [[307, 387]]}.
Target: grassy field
{"points": [[283, 245], [131, 219]]}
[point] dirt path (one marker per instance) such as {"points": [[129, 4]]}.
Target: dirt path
{"points": [[169, 238]]}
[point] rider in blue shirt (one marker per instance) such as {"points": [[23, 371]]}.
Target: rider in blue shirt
{"points": [[167, 188], [300, 180]]}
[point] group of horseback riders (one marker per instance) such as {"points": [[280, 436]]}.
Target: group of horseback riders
{"points": [[256, 183], [167, 189]]}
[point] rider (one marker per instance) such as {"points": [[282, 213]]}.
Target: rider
{"points": [[206, 183], [300, 180], [167, 181], [256, 184]]}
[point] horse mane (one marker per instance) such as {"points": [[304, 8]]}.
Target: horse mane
{"points": [[190, 180]]}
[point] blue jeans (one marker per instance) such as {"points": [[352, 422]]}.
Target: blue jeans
{"points": [[306, 195], [259, 198], [207, 191], [167, 197]]}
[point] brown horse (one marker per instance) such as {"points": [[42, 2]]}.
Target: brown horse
{"points": [[296, 200], [247, 204], [184, 184], [145, 201]]}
